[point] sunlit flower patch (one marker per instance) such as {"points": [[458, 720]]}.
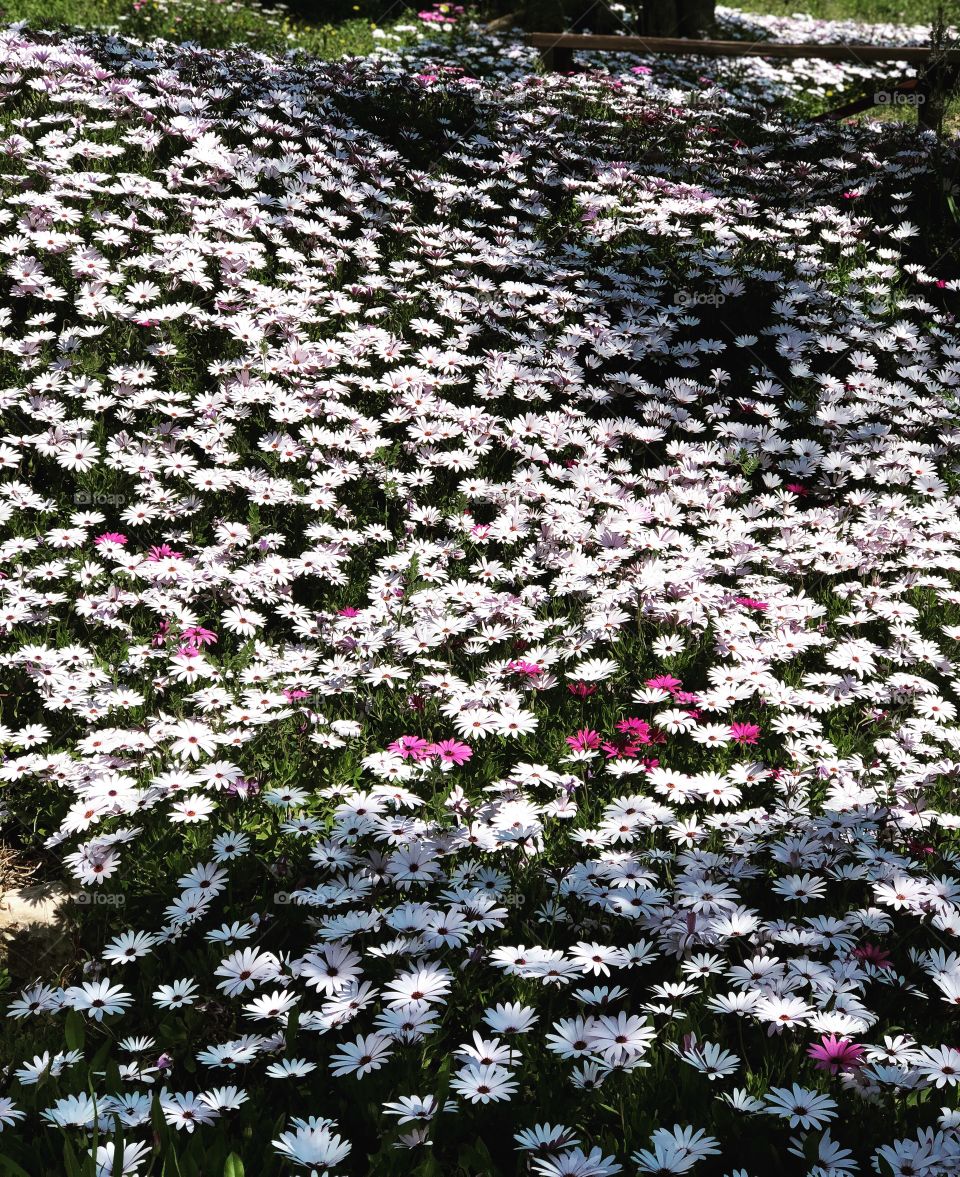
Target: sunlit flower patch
{"points": [[479, 606]]}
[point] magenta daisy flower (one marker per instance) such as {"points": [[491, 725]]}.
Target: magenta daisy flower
{"points": [[452, 751], [744, 733], [411, 748], [835, 1054], [584, 739]]}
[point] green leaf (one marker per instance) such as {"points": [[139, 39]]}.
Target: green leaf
{"points": [[158, 1123], [171, 1032], [293, 1025], [98, 1062], [74, 1030], [468, 1159], [71, 1166], [428, 1167], [233, 1166], [11, 1168], [443, 1083], [483, 1155], [190, 1167], [171, 1166], [118, 1145]]}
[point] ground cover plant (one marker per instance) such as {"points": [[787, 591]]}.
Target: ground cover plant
{"points": [[479, 615]]}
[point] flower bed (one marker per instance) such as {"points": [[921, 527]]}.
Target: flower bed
{"points": [[480, 617]]}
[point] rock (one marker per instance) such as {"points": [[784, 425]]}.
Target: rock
{"points": [[33, 942]]}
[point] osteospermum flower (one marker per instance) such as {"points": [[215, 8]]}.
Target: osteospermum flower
{"points": [[451, 752], [415, 1108], [110, 1162], [9, 1112], [41, 1065], [72, 1111], [422, 985], [197, 635], [835, 1054], [194, 740], [184, 1111], [36, 1000], [244, 969], [312, 1144], [873, 954], [192, 809], [484, 1083], [940, 1065], [800, 1107], [546, 1138], [575, 513], [411, 747], [744, 733], [367, 1053], [584, 739], [128, 947], [621, 1037], [98, 999], [290, 1068], [675, 1150]]}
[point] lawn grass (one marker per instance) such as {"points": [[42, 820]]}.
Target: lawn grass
{"points": [[903, 12], [221, 24], [910, 12]]}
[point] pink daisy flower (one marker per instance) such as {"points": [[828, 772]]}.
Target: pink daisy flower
{"points": [[744, 733], [451, 751], [584, 739], [835, 1054], [411, 748]]}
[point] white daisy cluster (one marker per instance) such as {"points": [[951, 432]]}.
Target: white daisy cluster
{"points": [[479, 590]]}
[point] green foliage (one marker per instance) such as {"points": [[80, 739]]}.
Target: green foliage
{"points": [[873, 11], [218, 24]]}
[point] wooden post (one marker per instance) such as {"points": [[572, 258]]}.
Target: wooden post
{"points": [[697, 18], [935, 87], [677, 18], [926, 99], [557, 59]]}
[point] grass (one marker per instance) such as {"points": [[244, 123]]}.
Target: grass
{"points": [[220, 23], [906, 12], [871, 11]]}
